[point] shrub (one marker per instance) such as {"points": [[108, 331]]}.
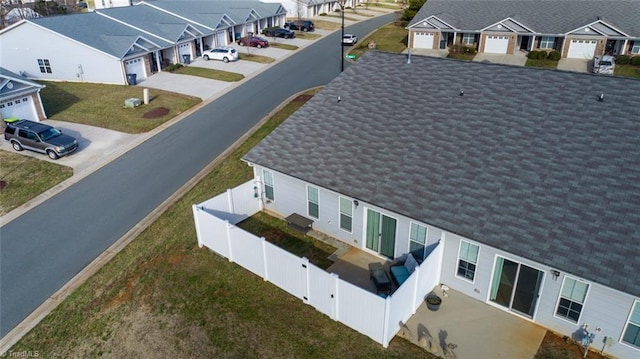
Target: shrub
{"points": [[469, 50], [323, 14], [542, 55], [533, 54], [555, 55], [455, 48], [623, 59], [173, 67], [635, 61]]}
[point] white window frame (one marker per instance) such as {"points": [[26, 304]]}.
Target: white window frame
{"points": [[268, 184], [310, 202], [341, 213], [458, 259], [468, 36], [635, 49], [416, 240], [545, 40], [634, 307], [560, 297]]}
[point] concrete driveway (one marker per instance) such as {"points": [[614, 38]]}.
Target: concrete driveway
{"points": [[575, 65], [517, 59], [96, 146]]}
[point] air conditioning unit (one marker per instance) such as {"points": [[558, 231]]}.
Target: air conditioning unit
{"points": [[132, 102]]}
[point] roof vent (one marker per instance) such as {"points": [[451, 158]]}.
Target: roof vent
{"points": [[601, 97], [409, 57], [461, 93], [339, 99]]}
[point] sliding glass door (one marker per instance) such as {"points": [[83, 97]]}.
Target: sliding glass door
{"points": [[381, 233], [516, 286]]}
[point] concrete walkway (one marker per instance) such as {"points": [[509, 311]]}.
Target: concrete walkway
{"points": [[517, 59], [465, 328], [575, 65]]}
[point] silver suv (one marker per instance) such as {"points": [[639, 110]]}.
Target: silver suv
{"points": [[605, 64], [38, 137]]}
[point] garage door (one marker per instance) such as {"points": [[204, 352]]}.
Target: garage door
{"points": [[20, 108], [496, 44], [135, 66], [184, 49], [221, 38], [582, 49], [423, 40]]}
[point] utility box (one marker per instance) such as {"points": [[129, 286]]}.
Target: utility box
{"points": [[132, 102]]}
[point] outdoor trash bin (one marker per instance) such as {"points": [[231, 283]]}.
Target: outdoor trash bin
{"points": [[131, 79], [186, 59]]}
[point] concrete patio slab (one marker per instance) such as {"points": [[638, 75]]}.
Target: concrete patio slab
{"points": [[575, 65], [517, 59], [353, 267], [465, 328]]}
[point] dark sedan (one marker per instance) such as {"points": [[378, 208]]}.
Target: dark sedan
{"points": [[277, 32], [254, 41]]}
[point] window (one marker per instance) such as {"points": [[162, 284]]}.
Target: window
{"points": [[468, 39], [417, 241], [632, 332], [572, 299], [635, 49], [45, 66], [346, 214], [547, 42], [313, 202], [467, 260], [268, 185]]}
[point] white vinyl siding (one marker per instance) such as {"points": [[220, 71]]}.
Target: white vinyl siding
{"points": [[313, 202], [467, 260], [632, 332], [572, 299], [268, 185], [417, 241], [346, 214]]}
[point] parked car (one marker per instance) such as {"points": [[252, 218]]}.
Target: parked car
{"points": [[278, 32], [604, 64], [38, 137], [349, 39], [222, 53], [303, 25], [254, 41], [82, 4]]}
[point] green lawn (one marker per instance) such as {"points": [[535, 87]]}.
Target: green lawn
{"points": [[256, 58], [549, 64], [277, 45], [627, 70], [163, 297], [209, 73], [390, 38], [24, 178], [103, 105]]}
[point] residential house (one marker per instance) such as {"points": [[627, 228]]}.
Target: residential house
{"points": [[107, 4], [112, 45], [577, 29], [20, 97], [528, 178], [305, 9]]}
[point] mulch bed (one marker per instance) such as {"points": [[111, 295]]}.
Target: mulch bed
{"points": [[156, 112], [555, 346], [303, 98]]}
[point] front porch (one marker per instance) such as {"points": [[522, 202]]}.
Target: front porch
{"points": [[466, 328]]}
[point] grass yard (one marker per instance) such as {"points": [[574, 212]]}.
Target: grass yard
{"points": [[549, 64], [307, 35], [627, 70], [276, 231], [255, 58], [390, 38], [277, 45], [209, 73], [325, 25], [103, 105], [22, 178], [163, 297]]}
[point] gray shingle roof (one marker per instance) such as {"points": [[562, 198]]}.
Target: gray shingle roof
{"points": [[527, 160], [97, 31], [155, 21], [541, 16]]}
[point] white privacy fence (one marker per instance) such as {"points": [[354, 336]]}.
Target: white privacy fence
{"points": [[377, 317]]}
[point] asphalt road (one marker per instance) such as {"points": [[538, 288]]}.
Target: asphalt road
{"points": [[44, 248]]}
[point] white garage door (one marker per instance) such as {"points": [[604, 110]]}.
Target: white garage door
{"points": [[423, 40], [135, 66], [221, 38], [582, 49], [20, 108], [496, 44], [184, 49]]}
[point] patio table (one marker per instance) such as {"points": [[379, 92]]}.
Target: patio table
{"points": [[380, 278]]}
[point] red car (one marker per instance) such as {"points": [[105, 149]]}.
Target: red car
{"points": [[254, 41]]}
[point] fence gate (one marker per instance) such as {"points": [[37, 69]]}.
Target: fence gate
{"points": [[322, 294]]}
